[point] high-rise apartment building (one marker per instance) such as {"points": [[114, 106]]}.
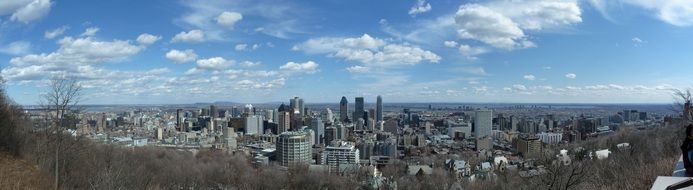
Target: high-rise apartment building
{"points": [[482, 123], [338, 155], [293, 148]]}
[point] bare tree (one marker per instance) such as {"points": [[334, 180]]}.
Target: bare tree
{"points": [[682, 104], [60, 99]]}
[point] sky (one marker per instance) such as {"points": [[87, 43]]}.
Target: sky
{"points": [[254, 51]]}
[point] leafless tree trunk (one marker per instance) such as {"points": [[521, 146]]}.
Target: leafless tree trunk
{"points": [[62, 96], [682, 104]]}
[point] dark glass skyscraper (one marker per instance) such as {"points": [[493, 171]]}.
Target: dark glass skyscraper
{"points": [[379, 109], [213, 112], [343, 109], [358, 108]]}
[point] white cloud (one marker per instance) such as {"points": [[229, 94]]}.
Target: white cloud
{"points": [[500, 24], [91, 31], [450, 44], [250, 84], [50, 34], [618, 87], [368, 50], [278, 18], [193, 71], [519, 87], [16, 48], [309, 67], [147, 39], [481, 23], [241, 47], [192, 36], [183, 56], [249, 64], [25, 10], [529, 77], [636, 40], [421, 6], [471, 52], [214, 63], [82, 51], [471, 70], [75, 57], [570, 75], [358, 69], [674, 12], [538, 15], [229, 19]]}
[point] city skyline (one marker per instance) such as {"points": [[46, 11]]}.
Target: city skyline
{"points": [[181, 52]]}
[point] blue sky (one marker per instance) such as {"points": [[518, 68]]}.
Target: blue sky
{"points": [[163, 51]]}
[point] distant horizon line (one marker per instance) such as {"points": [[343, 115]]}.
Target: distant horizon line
{"points": [[280, 102]]}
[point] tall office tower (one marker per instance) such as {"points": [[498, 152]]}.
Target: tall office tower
{"points": [[626, 115], [159, 133], [269, 115], [204, 112], [341, 132], [327, 116], [294, 148], [179, 119], [358, 109], [297, 105], [330, 134], [213, 112], [319, 129], [513, 123], [343, 109], [248, 110], [371, 114], [302, 109], [371, 124], [482, 123], [293, 103], [254, 125], [365, 147], [104, 123], [339, 154], [283, 122], [235, 112], [379, 109], [359, 124]]}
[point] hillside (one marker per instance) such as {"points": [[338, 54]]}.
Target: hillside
{"points": [[17, 174]]}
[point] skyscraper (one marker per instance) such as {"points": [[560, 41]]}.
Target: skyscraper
{"points": [[358, 109], [379, 109], [319, 129], [343, 109], [297, 105], [179, 119], [213, 112], [253, 124], [294, 148], [270, 116], [283, 122], [326, 115], [301, 108], [482, 123]]}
